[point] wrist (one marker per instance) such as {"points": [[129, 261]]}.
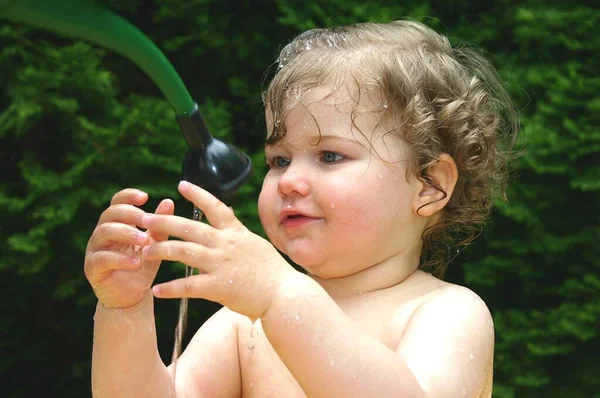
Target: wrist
{"points": [[288, 295], [145, 301]]}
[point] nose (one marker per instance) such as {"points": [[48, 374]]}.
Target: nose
{"points": [[293, 182]]}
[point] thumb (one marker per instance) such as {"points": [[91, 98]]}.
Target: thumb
{"points": [[165, 207]]}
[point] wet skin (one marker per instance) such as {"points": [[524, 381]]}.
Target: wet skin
{"points": [[364, 321]]}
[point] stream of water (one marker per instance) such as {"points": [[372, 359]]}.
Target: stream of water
{"points": [[183, 307]]}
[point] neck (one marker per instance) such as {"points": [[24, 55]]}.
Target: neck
{"points": [[386, 274]]}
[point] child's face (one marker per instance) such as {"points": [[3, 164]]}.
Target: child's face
{"points": [[339, 204]]}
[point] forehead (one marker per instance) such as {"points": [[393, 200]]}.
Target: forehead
{"points": [[343, 110]]}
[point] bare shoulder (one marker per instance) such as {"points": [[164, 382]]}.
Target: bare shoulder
{"points": [[458, 302], [449, 342], [445, 300]]}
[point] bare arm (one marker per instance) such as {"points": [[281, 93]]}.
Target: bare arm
{"points": [[449, 344], [326, 352], [126, 362]]}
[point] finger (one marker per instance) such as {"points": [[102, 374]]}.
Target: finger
{"points": [[189, 253], [165, 207], [129, 196], [179, 227], [123, 213], [217, 213], [115, 232], [99, 264], [195, 286]]}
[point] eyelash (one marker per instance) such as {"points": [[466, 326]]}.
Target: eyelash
{"points": [[272, 162]]}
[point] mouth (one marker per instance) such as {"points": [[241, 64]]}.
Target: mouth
{"points": [[293, 220]]}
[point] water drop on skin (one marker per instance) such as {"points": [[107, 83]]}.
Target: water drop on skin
{"points": [[331, 363], [332, 205], [471, 356]]}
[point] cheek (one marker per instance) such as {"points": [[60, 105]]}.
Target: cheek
{"points": [[267, 206], [263, 207], [367, 205]]}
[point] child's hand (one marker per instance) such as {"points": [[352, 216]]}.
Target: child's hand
{"points": [[113, 265], [238, 268]]}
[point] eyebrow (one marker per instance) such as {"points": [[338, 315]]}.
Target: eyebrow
{"points": [[324, 137]]}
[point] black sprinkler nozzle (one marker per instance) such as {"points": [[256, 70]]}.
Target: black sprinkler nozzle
{"points": [[210, 163]]}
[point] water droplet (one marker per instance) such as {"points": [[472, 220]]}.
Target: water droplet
{"points": [[471, 356], [230, 281], [381, 177], [251, 346], [331, 363], [385, 105], [332, 205], [251, 384], [307, 47]]}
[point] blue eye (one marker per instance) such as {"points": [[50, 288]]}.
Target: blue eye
{"points": [[331, 157], [277, 162]]}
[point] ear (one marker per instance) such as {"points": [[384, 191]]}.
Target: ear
{"points": [[442, 177]]}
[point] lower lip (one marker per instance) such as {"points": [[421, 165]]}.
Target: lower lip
{"points": [[297, 221]]}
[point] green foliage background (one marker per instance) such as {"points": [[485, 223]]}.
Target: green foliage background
{"points": [[78, 123]]}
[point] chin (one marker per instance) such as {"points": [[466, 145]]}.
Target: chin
{"points": [[319, 269], [310, 265]]}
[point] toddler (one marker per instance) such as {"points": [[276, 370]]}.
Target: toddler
{"points": [[385, 148]]}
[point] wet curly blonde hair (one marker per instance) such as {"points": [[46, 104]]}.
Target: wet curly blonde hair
{"points": [[439, 99]]}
